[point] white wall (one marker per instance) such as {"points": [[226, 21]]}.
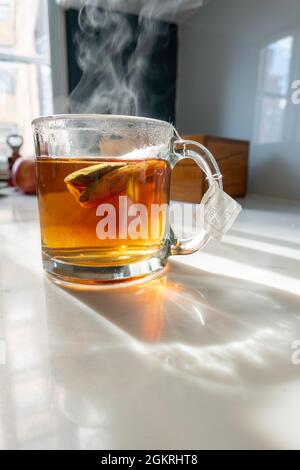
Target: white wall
{"points": [[220, 83]]}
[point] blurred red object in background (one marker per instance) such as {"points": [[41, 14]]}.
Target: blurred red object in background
{"points": [[24, 175]]}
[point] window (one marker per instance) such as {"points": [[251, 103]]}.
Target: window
{"points": [[7, 80], [273, 90], [4, 9], [25, 70]]}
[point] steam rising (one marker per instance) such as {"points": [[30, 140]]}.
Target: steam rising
{"points": [[113, 70], [103, 38]]}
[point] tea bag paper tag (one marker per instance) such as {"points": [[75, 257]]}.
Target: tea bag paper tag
{"points": [[220, 212]]}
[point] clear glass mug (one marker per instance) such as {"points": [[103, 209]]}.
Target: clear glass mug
{"points": [[104, 190]]}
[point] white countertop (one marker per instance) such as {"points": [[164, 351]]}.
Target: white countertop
{"points": [[199, 358]]}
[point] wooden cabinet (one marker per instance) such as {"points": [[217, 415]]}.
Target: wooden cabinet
{"points": [[188, 181]]}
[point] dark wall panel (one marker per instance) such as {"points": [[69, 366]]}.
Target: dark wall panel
{"points": [[157, 95]]}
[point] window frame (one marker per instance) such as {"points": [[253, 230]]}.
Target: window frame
{"points": [[55, 61], [58, 57]]}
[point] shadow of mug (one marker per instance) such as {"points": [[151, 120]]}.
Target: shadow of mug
{"points": [[117, 353], [193, 323]]}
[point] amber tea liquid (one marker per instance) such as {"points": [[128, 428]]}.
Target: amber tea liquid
{"points": [[70, 192]]}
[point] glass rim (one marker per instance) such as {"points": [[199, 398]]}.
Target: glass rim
{"points": [[40, 121]]}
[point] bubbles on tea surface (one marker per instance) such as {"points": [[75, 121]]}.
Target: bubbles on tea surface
{"points": [[151, 152]]}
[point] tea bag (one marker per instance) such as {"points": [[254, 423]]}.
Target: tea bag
{"points": [[112, 183], [80, 180], [94, 184], [91, 173]]}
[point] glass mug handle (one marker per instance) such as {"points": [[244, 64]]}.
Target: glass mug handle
{"points": [[207, 163]]}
